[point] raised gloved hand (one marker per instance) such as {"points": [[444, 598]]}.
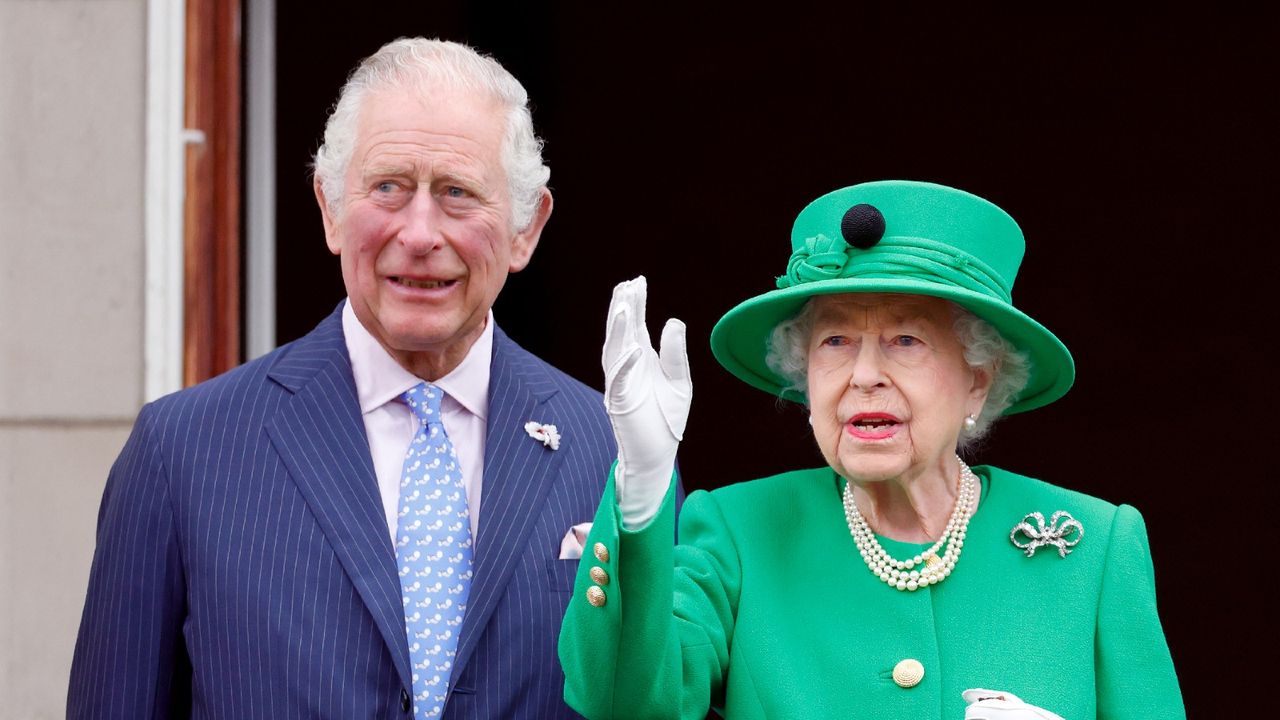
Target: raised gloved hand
{"points": [[997, 705], [647, 396]]}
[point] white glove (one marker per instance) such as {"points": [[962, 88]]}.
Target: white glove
{"points": [[647, 397], [996, 705]]}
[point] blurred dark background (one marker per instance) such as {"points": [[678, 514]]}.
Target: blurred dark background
{"points": [[1136, 148]]}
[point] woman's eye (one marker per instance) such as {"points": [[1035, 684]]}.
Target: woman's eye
{"points": [[835, 341], [906, 341]]}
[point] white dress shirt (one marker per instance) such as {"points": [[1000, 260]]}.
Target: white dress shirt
{"points": [[390, 425]]}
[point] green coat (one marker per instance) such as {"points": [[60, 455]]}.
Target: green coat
{"points": [[771, 612]]}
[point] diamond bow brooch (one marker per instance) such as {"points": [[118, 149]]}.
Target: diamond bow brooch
{"points": [[1063, 532], [545, 434]]}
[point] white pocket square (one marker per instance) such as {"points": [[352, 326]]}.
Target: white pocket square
{"points": [[574, 541]]}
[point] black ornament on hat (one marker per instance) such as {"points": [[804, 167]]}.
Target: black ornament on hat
{"points": [[862, 226]]}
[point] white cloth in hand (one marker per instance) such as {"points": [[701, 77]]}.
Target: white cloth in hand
{"points": [[997, 705], [647, 396]]}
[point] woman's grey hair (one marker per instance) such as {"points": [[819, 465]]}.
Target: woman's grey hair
{"points": [[410, 63], [984, 349]]}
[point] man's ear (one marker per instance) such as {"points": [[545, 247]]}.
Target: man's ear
{"points": [[526, 241], [330, 227]]}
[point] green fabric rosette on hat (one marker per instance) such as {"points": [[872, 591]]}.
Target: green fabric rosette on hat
{"points": [[906, 237]]}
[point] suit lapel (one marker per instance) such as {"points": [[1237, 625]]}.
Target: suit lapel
{"points": [[517, 474], [320, 436]]}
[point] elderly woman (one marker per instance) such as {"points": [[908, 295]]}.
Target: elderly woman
{"points": [[895, 582]]}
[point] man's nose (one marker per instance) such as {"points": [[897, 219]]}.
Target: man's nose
{"points": [[868, 366], [420, 229]]}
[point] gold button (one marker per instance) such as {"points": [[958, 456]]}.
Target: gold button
{"points": [[595, 596], [908, 673], [602, 552], [599, 575]]}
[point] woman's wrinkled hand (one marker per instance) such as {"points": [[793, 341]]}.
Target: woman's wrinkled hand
{"points": [[647, 396]]}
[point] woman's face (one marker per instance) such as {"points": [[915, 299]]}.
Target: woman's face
{"points": [[888, 384]]}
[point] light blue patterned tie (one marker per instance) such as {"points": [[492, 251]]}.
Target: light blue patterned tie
{"points": [[433, 551]]}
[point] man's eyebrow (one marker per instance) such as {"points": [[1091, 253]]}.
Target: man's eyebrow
{"points": [[375, 170], [452, 174]]}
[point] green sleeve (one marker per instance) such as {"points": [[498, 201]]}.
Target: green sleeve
{"points": [[658, 647], [1135, 672]]}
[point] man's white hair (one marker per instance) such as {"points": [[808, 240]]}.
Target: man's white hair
{"points": [[417, 63]]}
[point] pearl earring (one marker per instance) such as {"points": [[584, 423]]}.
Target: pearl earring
{"points": [[970, 422]]}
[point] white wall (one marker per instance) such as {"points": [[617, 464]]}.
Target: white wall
{"points": [[72, 116]]}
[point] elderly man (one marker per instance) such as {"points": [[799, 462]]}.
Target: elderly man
{"points": [[377, 520]]}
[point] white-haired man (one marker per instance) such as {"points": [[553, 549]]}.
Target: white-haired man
{"points": [[377, 519]]}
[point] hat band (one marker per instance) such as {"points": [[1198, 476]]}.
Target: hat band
{"points": [[821, 258]]}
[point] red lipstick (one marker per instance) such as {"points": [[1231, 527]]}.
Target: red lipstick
{"points": [[873, 426]]}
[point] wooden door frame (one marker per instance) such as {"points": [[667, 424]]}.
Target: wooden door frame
{"points": [[212, 225]]}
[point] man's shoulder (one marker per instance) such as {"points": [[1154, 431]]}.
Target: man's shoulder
{"points": [[249, 385]]}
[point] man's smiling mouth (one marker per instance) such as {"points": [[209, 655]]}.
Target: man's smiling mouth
{"points": [[421, 284]]}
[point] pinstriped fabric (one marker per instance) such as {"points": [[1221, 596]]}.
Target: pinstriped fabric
{"points": [[244, 569], [532, 495], [210, 557]]}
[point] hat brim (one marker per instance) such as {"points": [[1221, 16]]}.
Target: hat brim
{"points": [[740, 339]]}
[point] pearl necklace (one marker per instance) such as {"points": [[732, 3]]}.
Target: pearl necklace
{"points": [[902, 574]]}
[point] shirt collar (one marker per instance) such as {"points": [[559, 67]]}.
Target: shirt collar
{"points": [[380, 379]]}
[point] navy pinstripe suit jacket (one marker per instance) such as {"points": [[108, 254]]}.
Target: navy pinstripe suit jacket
{"points": [[244, 568]]}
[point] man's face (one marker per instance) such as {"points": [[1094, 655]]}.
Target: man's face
{"points": [[424, 232]]}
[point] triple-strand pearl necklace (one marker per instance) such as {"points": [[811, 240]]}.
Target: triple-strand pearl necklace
{"points": [[933, 568]]}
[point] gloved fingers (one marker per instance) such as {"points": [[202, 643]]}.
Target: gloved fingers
{"points": [[675, 365], [624, 383], [974, 695], [616, 335], [620, 353], [638, 291], [1001, 705], [674, 355], [625, 326]]}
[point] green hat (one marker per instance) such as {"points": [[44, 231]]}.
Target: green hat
{"points": [[898, 236]]}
